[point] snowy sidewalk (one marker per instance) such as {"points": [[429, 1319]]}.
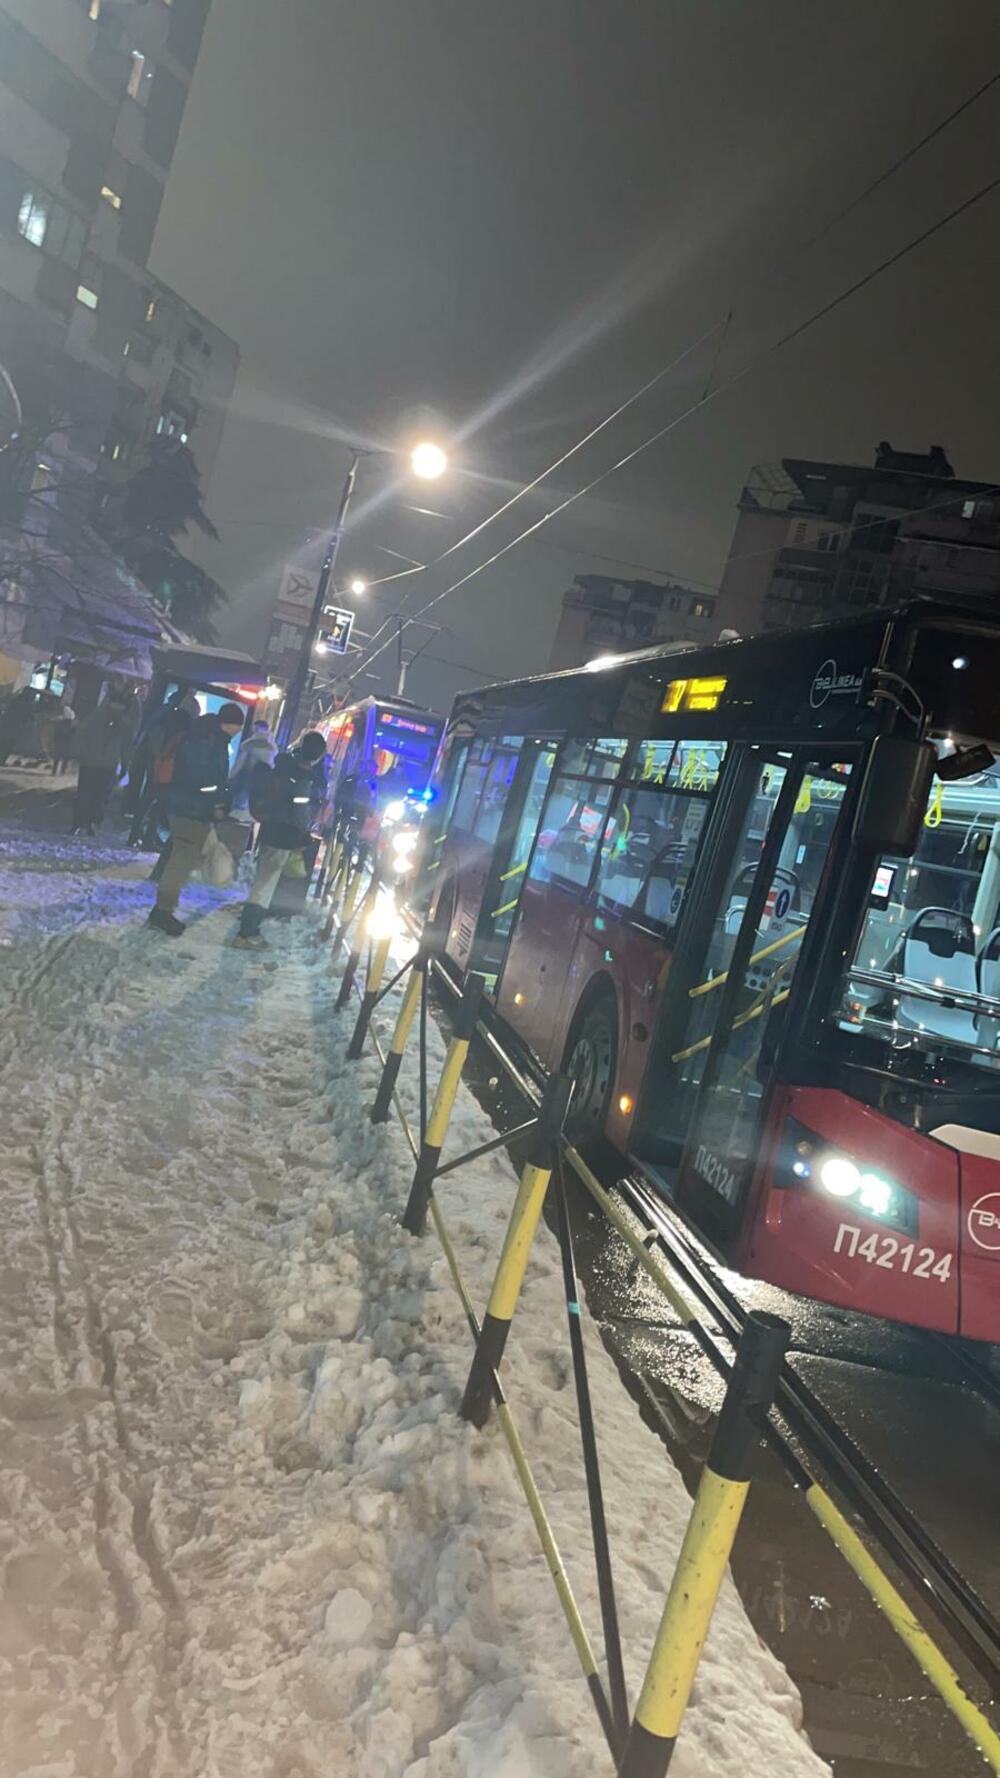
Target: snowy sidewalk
{"points": [[244, 1534]]}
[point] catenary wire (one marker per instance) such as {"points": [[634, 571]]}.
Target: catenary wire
{"points": [[728, 383]]}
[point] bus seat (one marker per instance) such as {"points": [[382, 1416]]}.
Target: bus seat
{"points": [[989, 983], [660, 898], [940, 948]]}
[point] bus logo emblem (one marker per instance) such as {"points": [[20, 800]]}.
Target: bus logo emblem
{"points": [[828, 683], [983, 1221]]}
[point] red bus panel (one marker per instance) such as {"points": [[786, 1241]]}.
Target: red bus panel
{"points": [[805, 1240]]}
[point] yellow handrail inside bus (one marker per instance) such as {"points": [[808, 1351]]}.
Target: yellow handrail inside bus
{"points": [[758, 957], [753, 1012], [516, 871], [506, 908]]}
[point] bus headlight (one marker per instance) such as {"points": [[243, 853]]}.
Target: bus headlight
{"points": [[806, 1161], [394, 811], [404, 842]]}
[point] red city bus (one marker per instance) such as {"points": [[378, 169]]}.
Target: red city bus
{"points": [[750, 896]]}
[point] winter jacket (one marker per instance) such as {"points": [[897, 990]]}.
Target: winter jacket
{"points": [[200, 779], [102, 738], [256, 750], [281, 802]]}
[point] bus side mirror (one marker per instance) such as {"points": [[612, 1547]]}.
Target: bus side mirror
{"points": [[894, 795]]}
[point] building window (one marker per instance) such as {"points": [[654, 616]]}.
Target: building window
{"points": [[968, 509], [86, 296], [33, 218], [136, 74], [111, 197], [151, 309]]}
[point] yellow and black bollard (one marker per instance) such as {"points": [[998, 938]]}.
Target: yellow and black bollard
{"points": [[415, 1214], [516, 1249], [354, 955], [327, 884], [353, 882], [404, 1024], [706, 1549], [373, 983]]}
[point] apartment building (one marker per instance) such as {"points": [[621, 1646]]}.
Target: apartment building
{"points": [[601, 615], [92, 93]]}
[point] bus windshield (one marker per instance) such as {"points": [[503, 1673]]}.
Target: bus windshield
{"points": [[925, 978]]}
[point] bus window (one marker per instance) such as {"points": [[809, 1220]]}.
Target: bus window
{"points": [[926, 970], [509, 887], [493, 801], [647, 859], [474, 777]]}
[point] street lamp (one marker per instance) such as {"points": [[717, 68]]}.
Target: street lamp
{"points": [[358, 586], [428, 461]]}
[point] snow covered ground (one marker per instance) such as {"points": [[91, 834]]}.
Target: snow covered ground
{"points": [[243, 1533]]}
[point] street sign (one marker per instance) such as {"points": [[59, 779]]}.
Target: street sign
{"points": [[336, 628]]}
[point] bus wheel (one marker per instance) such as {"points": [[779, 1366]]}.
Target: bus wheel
{"points": [[591, 1062]]}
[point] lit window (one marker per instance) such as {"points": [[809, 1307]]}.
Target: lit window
{"points": [[151, 309], [968, 509], [160, 424], [33, 218], [94, 9], [111, 197], [116, 451], [135, 74], [86, 296]]}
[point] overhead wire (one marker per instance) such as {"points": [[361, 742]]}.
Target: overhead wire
{"points": [[902, 160], [710, 395]]}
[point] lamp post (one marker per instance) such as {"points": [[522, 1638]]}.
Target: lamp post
{"points": [[428, 461]]}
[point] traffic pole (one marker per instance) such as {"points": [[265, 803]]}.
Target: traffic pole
{"points": [[707, 1546], [415, 1214], [513, 1262], [373, 982]]}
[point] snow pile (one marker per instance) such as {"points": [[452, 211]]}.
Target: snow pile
{"points": [[244, 1534]]}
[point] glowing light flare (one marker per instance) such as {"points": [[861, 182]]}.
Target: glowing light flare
{"points": [[839, 1176], [428, 460]]}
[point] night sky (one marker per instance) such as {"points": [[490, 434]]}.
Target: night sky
{"points": [[497, 219]]}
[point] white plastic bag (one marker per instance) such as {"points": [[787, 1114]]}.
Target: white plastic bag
{"points": [[218, 867]]}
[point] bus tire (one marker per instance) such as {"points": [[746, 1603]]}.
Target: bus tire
{"points": [[591, 1059]]}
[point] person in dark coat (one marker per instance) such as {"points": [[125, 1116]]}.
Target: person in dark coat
{"points": [[153, 803], [102, 740], [199, 795], [282, 799]]}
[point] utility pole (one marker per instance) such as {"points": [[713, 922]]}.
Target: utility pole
{"points": [[300, 677]]}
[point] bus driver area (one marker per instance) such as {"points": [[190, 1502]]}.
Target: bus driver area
{"points": [[750, 897]]}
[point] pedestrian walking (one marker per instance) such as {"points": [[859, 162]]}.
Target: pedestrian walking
{"points": [[257, 750], [63, 735], [152, 808], [102, 740], [199, 796], [283, 800]]}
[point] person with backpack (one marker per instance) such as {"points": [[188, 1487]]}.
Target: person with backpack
{"points": [[198, 797], [282, 799], [151, 810]]}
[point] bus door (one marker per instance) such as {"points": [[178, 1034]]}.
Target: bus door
{"points": [[515, 838], [769, 894], [552, 907]]}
